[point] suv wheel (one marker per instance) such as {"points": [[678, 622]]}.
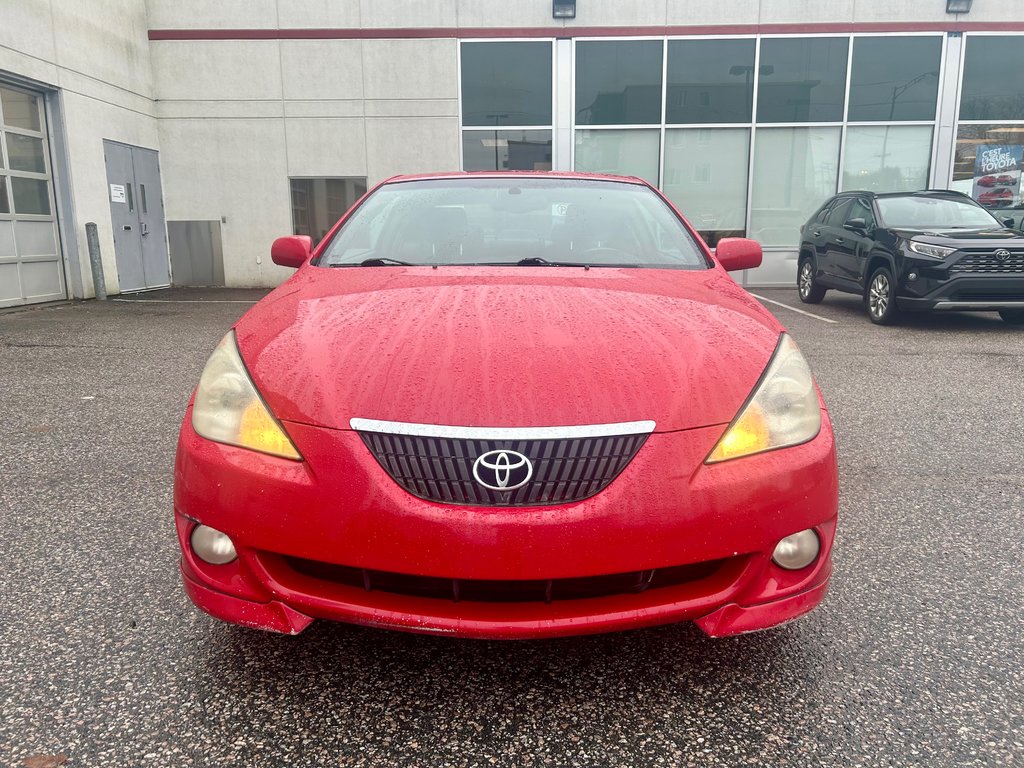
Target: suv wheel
{"points": [[806, 284], [881, 297], [1012, 316]]}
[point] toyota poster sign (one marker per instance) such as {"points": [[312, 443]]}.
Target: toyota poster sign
{"points": [[997, 175]]}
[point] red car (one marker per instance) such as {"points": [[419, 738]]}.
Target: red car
{"points": [[996, 197], [507, 406]]}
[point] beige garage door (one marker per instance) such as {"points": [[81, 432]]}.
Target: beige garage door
{"points": [[30, 262]]}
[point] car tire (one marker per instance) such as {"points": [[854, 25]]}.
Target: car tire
{"points": [[881, 297], [807, 284], [1012, 316]]}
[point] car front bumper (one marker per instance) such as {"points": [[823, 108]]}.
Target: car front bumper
{"points": [[713, 527], [969, 293]]}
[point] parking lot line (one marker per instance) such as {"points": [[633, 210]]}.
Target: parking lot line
{"points": [[186, 301], [794, 309]]}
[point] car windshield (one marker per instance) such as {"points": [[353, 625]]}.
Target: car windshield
{"points": [[922, 212], [514, 221]]}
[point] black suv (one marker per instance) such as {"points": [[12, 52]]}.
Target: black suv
{"points": [[913, 251]]}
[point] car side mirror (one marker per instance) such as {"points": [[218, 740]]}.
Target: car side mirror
{"points": [[736, 253], [1009, 222], [857, 225], [292, 251]]}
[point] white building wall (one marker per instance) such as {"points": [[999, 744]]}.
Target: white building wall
{"points": [[238, 118], [96, 52]]}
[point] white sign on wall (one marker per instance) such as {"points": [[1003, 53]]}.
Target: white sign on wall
{"points": [[117, 194]]}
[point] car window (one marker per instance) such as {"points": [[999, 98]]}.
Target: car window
{"points": [[861, 209], [823, 212], [837, 216], [924, 212], [485, 220]]}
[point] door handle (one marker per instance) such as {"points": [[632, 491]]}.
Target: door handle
{"points": [[839, 240], [145, 229], [817, 233]]}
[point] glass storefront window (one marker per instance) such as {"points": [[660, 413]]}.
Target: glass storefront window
{"points": [[31, 196], [710, 81], [5, 204], [627, 152], [802, 80], [795, 170], [887, 158], [894, 78], [618, 82], [992, 87], [506, 83], [506, 150], [19, 110], [706, 177]]}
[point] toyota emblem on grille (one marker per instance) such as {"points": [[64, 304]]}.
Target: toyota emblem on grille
{"points": [[502, 470], [1002, 254]]}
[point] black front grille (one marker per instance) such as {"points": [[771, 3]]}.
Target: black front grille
{"points": [[500, 591], [988, 262], [441, 468]]}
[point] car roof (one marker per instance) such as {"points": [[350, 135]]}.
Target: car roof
{"points": [[568, 175], [916, 193]]}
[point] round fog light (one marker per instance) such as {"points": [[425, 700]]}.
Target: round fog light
{"points": [[211, 546], [797, 551]]}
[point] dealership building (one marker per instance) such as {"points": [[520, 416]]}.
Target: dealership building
{"points": [[194, 132]]}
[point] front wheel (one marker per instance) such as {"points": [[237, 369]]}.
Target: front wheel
{"points": [[882, 297], [1012, 316], [807, 285]]}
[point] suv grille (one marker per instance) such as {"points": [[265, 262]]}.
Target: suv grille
{"points": [[986, 261], [439, 467]]}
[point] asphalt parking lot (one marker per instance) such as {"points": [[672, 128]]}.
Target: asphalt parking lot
{"points": [[915, 658]]}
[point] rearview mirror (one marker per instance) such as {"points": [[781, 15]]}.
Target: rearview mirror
{"points": [[736, 253], [856, 225], [292, 251]]}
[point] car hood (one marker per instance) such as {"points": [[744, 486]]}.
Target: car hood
{"points": [[519, 346], [959, 238]]}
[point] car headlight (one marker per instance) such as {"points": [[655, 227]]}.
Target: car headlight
{"points": [[228, 409], [783, 409], [929, 250]]}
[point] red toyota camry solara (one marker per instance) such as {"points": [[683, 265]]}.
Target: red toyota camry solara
{"points": [[505, 406]]}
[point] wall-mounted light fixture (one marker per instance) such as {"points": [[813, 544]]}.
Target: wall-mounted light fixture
{"points": [[958, 6], [566, 9]]}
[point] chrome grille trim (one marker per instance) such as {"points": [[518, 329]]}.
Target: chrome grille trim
{"points": [[987, 262], [502, 433]]}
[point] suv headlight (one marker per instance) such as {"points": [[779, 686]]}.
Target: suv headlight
{"points": [[783, 409], [931, 251], [228, 409]]}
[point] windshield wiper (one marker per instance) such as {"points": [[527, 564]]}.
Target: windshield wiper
{"points": [[378, 261], [537, 261]]}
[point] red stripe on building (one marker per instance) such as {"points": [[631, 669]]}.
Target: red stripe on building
{"points": [[531, 32]]}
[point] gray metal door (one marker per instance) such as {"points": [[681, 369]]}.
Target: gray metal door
{"points": [[150, 207], [137, 217]]}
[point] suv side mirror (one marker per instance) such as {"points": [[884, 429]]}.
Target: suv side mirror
{"points": [[292, 251], [1009, 222], [856, 225], [736, 253]]}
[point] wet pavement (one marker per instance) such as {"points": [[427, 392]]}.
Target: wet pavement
{"points": [[915, 658]]}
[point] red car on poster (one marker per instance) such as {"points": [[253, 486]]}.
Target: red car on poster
{"points": [[506, 406], [996, 197]]}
